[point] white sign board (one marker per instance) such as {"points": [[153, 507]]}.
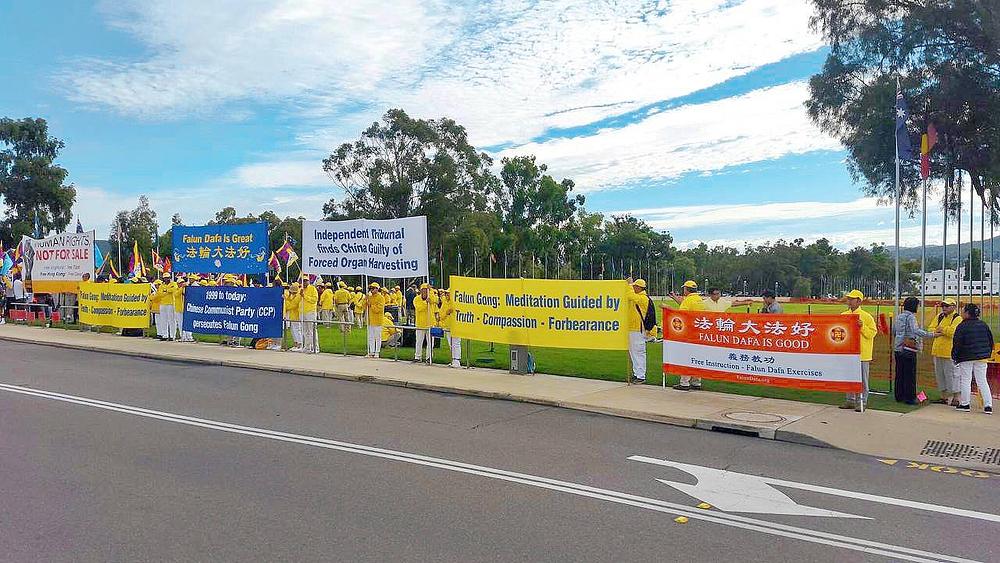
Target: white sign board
{"points": [[57, 263], [389, 248]]}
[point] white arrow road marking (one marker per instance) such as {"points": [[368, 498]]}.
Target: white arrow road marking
{"points": [[656, 505], [719, 487]]}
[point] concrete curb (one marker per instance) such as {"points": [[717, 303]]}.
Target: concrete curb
{"points": [[769, 433]]}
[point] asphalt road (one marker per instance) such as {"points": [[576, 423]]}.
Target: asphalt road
{"points": [[236, 465]]}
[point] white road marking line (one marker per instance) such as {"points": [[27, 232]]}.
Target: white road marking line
{"points": [[763, 526], [835, 492]]}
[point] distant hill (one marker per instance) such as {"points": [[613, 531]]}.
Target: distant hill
{"points": [[934, 253]]}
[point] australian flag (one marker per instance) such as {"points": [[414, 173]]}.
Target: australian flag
{"points": [[904, 149]]}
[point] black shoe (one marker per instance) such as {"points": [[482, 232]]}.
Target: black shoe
{"points": [[988, 410], [680, 387], [696, 387], [963, 408], [911, 402], [636, 381]]}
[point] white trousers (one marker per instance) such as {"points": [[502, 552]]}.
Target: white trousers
{"points": [[456, 349], [297, 333], [179, 319], [637, 353], [423, 337], [161, 325], [309, 331], [169, 321], [374, 340], [966, 371]]}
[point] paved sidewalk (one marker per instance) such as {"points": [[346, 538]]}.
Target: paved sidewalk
{"points": [[879, 433]]}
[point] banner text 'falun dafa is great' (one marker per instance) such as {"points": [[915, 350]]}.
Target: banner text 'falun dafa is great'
{"points": [[121, 305], [546, 313]]}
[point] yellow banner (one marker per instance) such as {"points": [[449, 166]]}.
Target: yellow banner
{"points": [[122, 305], [548, 313]]}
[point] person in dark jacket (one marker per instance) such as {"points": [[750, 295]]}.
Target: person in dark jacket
{"points": [[972, 346], [907, 343]]}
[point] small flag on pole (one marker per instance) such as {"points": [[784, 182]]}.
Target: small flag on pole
{"points": [[79, 227]]}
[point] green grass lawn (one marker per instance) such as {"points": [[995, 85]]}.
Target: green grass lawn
{"points": [[613, 365]]}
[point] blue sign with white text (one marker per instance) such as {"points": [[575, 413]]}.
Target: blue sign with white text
{"points": [[230, 249], [248, 312]]}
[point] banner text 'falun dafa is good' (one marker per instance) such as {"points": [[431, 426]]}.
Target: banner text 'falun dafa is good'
{"points": [[545, 313]]}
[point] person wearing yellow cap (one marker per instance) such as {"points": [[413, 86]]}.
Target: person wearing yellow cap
{"points": [[640, 308], [310, 300], [326, 302], [943, 326], [342, 302], [169, 288], [294, 303], [866, 323], [155, 298], [390, 334], [424, 314], [689, 300], [446, 320], [179, 310], [375, 308], [359, 306]]}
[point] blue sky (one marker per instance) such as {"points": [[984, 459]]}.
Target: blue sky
{"points": [[681, 112]]}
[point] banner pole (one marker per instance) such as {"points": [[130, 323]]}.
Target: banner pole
{"points": [[923, 256]]}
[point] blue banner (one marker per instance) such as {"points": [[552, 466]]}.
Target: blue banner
{"points": [[231, 249], [249, 312]]}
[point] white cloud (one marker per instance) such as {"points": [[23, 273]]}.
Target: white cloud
{"points": [[691, 216], [277, 174], [761, 125], [507, 69]]}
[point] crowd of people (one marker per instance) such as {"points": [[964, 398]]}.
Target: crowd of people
{"points": [[387, 312], [962, 343]]}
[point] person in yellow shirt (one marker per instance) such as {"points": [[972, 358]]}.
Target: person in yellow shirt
{"points": [[310, 301], [424, 316], [342, 301], [689, 300], [359, 307], [294, 304], [169, 288], [944, 325], [446, 320], [326, 302], [868, 331], [639, 304], [179, 296], [155, 297], [390, 334], [375, 308]]}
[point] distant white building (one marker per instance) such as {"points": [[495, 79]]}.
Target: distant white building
{"points": [[940, 282]]}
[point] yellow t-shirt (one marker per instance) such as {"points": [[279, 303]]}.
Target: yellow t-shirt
{"points": [[637, 302], [693, 302], [868, 332], [326, 299], [376, 308]]}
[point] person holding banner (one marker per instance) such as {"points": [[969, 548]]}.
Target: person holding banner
{"points": [[169, 288], [179, 310], [155, 299], [310, 299], [424, 312], [446, 318], [857, 401], [691, 301], [375, 305], [638, 326], [294, 303]]}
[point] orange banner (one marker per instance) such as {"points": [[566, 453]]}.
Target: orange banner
{"points": [[818, 352]]}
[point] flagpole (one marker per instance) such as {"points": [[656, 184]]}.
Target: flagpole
{"points": [[923, 256], [958, 234], [118, 224], [944, 247], [898, 199], [972, 233]]}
